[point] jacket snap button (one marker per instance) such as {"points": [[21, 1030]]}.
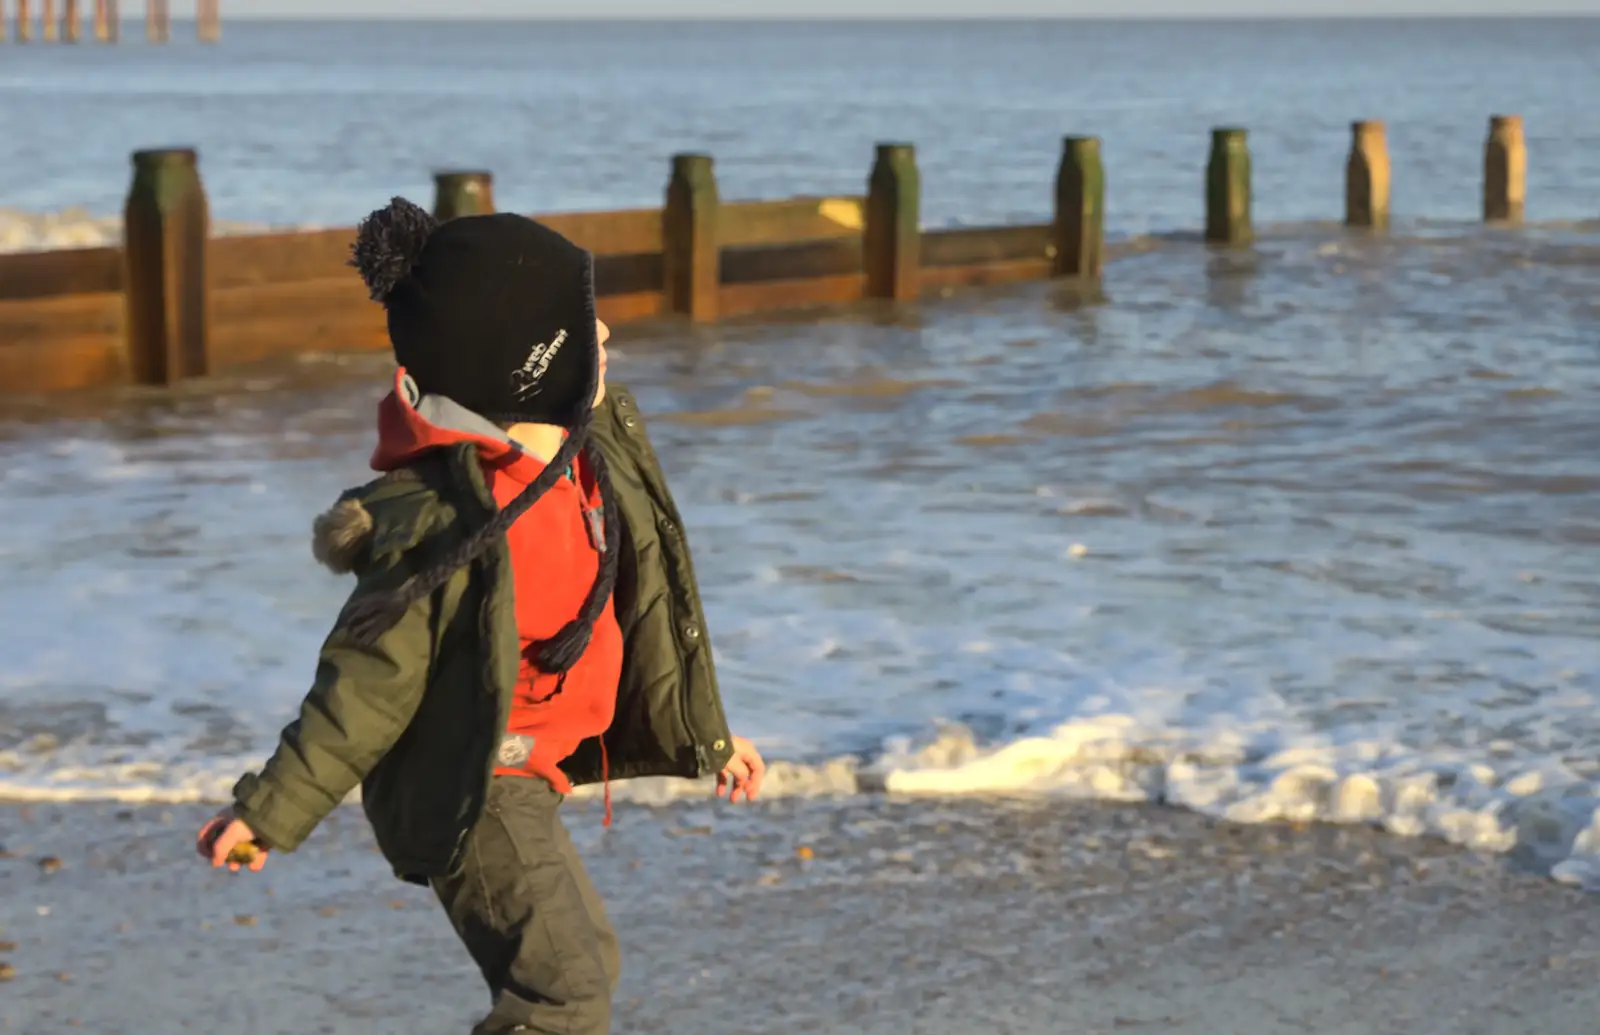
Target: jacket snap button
{"points": [[719, 745], [623, 402], [628, 422], [693, 632]]}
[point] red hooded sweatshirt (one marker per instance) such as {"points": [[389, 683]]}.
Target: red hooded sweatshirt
{"points": [[554, 560]]}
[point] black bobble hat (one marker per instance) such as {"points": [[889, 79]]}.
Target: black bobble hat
{"points": [[495, 312]]}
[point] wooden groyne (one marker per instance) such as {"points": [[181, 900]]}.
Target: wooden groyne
{"points": [[38, 20], [174, 302]]}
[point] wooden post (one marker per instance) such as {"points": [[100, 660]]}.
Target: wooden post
{"points": [[462, 194], [48, 29], [691, 258], [24, 22], [208, 20], [1505, 171], [1228, 188], [892, 238], [157, 21], [71, 22], [107, 24], [1080, 223], [165, 225], [1366, 177]]}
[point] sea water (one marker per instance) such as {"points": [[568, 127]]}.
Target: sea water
{"points": [[1306, 531]]}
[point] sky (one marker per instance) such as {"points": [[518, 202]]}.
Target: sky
{"points": [[183, 9]]}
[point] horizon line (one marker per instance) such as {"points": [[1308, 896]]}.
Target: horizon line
{"points": [[1221, 16]]}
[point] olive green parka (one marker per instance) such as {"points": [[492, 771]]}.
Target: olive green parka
{"points": [[416, 718]]}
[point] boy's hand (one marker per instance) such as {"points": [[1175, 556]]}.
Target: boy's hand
{"points": [[228, 840], [743, 773]]}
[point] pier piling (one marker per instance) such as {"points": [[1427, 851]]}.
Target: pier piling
{"points": [[691, 256], [157, 21], [1366, 192], [1228, 188], [892, 241], [462, 193], [1079, 231], [165, 228], [208, 20], [106, 21], [1505, 171]]}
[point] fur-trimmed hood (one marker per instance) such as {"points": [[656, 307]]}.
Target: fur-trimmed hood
{"points": [[409, 424], [340, 535]]}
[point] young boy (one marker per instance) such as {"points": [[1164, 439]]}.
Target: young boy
{"points": [[525, 616]]}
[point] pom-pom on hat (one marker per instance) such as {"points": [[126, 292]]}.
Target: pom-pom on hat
{"points": [[496, 311]]}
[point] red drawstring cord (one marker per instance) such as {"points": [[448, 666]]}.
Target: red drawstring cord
{"points": [[605, 777]]}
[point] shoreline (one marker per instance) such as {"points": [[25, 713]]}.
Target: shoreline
{"points": [[1529, 828], [874, 914]]}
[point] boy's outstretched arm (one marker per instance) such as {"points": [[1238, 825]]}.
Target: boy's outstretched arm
{"points": [[362, 700]]}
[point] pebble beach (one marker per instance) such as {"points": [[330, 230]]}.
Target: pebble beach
{"points": [[883, 916]]}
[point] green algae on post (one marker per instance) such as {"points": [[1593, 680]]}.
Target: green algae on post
{"points": [[893, 237], [1079, 230], [1228, 188], [462, 193], [691, 256]]}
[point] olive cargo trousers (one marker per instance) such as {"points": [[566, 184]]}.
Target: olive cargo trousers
{"points": [[525, 909]]}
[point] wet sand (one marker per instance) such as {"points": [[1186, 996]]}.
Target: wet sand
{"points": [[866, 915]]}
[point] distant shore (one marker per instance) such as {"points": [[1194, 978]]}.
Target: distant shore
{"points": [[874, 915]]}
